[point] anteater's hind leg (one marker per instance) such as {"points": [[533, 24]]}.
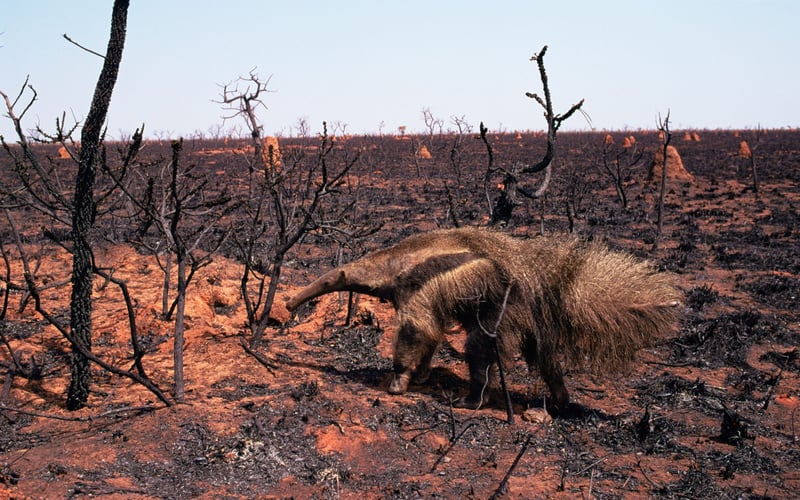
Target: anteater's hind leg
{"points": [[480, 354], [549, 368]]}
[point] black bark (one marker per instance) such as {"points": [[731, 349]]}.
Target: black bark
{"points": [[83, 210]]}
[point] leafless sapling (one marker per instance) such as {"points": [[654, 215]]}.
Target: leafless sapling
{"points": [[617, 161], [429, 144], [185, 199], [432, 124], [455, 189], [243, 98], [283, 200], [575, 188], [666, 137]]}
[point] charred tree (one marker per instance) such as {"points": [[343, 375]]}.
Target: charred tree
{"points": [[506, 201], [41, 189], [83, 211]]}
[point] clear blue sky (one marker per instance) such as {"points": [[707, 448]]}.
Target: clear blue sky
{"points": [[711, 63]]}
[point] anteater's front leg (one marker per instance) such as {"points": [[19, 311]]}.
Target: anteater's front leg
{"points": [[481, 357]]}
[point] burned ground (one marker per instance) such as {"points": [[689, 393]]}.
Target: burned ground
{"points": [[710, 411]]}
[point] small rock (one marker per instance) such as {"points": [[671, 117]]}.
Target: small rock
{"points": [[537, 416]]}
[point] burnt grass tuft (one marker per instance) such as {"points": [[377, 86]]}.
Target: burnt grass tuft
{"points": [[726, 339]]}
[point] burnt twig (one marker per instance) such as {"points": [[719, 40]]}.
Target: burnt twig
{"points": [[70, 40], [493, 334], [138, 351], [641, 469], [501, 488], [450, 446], [259, 357]]}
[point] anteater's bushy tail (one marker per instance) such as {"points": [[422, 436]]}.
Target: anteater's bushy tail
{"points": [[614, 305]]}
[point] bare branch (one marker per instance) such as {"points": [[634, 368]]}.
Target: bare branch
{"points": [[70, 40], [88, 418], [493, 335], [247, 101]]}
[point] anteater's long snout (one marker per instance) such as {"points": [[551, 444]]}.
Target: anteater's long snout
{"points": [[332, 281]]}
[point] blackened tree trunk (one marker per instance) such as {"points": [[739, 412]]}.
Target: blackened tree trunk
{"points": [[177, 351], [84, 209], [182, 255]]}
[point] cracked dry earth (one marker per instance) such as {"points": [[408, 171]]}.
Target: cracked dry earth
{"points": [[711, 411]]}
